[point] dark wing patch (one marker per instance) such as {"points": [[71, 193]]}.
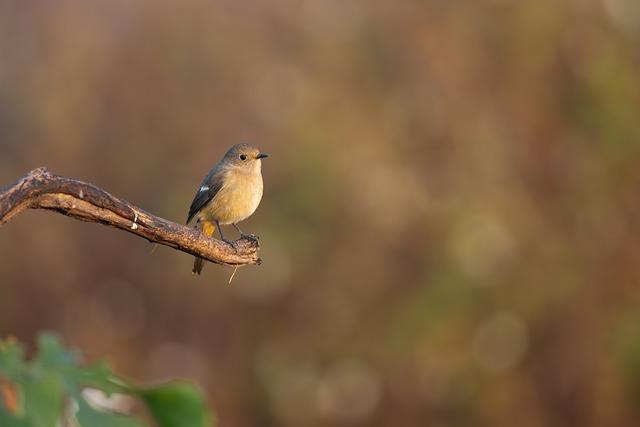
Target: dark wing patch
{"points": [[210, 187]]}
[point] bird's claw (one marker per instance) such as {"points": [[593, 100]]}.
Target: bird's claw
{"points": [[249, 237], [233, 244]]}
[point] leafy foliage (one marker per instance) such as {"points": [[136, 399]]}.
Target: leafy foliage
{"points": [[48, 391]]}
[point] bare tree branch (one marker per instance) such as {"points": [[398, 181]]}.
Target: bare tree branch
{"points": [[40, 189]]}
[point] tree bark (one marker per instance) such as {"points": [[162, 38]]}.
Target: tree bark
{"points": [[40, 189]]}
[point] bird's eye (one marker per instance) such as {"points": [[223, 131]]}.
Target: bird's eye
{"points": [[243, 157]]}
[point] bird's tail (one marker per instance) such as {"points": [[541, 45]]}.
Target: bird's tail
{"points": [[208, 228], [198, 263]]}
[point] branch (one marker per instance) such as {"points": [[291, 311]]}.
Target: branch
{"points": [[40, 189]]}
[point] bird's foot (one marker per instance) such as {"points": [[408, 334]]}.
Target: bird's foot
{"points": [[233, 244], [251, 237]]}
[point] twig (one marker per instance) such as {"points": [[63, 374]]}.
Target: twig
{"points": [[40, 189]]}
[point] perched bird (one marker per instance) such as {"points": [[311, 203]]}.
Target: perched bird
{"points": [[229, 193]]}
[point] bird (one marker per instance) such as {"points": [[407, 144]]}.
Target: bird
{"points": [[229, 194]]}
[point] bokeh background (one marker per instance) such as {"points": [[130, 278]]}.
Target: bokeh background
{"points": [[449, 224]]}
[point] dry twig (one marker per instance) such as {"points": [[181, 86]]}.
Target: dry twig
{"points": [[40, 189]]}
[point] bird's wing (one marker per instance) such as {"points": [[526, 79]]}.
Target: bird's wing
{"points": [[207, 191]]}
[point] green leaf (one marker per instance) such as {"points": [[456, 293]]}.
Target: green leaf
{"points": [[100, 376], [51, 354], [43, 400], [177, 404], [7, 420], [11, 357], [35, 392], [90, 417]]}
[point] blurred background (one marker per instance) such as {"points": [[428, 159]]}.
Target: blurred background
{"points": [[449, 221]]}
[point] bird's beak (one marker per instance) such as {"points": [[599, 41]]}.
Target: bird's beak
{"points": [[262, 156]]}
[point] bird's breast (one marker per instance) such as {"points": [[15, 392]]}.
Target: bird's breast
{"points": [[238, 198]]}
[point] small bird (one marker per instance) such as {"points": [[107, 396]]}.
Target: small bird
{"points": [[229, 193]]}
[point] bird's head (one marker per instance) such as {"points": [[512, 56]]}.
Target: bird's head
{"points": [[244, 156]]}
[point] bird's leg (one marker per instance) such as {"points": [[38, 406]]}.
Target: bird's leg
{"points": [[220, 231], [223, 239], [242, 235]]}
